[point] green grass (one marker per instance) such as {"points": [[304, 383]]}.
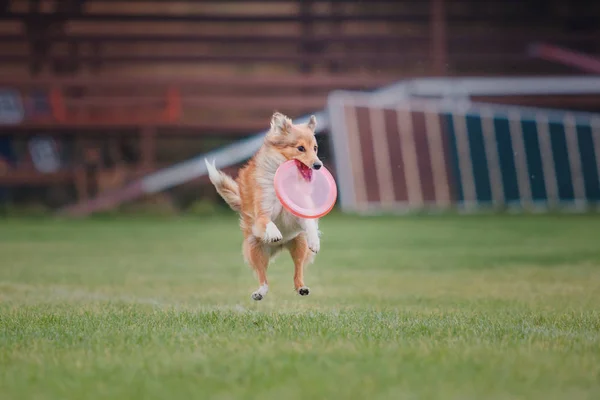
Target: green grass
{"points": [[482, 307]]}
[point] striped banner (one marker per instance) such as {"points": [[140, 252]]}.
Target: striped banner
{"points": [[430, 154]]}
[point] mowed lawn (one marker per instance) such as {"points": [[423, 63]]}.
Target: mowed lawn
{"points": [[435, 307]]}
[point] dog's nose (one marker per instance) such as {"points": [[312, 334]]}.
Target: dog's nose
{"points": [[317, 165]]}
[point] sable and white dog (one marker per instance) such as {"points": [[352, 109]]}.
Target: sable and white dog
{"points": [[268, 227]]}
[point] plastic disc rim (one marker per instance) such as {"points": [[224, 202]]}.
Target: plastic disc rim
{"points": [[301, 211]]}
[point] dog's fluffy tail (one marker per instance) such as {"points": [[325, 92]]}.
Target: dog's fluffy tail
{"points": [[225, 185]]}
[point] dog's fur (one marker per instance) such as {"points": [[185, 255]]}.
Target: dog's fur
{"points": [[268, 227]]}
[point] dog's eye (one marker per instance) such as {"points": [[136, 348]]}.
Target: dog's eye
{"points": [[316, 148], [301, 148]]}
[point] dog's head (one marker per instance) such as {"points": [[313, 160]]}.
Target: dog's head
{"points": [[295, 142]]}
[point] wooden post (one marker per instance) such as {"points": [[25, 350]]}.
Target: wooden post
{"points": [[81, 183], [148, 148], [438, 40]]}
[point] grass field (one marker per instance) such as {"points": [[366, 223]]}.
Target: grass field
{"points": [[401, 308]]}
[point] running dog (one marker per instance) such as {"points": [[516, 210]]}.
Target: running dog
{"points": [[266, 226]]}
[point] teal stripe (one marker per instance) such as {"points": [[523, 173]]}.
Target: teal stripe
{"points": [[534, 160], [589, 161], [481, 175], [506, 158], [562, 166], [454, 156]]}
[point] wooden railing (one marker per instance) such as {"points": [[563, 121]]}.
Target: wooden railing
{"points": [[436, 37], [251, 63]]}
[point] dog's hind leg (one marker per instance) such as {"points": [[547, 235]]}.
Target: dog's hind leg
{"points": [[301, 255], [257, 256]]}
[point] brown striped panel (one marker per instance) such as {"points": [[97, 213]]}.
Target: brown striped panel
{"points": [[423, 156], [448, 158], [368, 154], [395, 155]]}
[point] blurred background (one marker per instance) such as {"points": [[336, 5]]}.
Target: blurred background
{"points": [[108, 103]]}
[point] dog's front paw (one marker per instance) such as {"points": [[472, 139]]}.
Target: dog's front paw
{"points": [[314, 244], [272, 234]]}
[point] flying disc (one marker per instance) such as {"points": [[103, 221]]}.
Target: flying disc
{"points": [[305, 192]]}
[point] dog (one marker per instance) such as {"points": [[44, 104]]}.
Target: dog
{"points": [[267, 227]]}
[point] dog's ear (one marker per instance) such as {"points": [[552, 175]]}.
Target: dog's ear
{"points": [[280, 124], [312, 123]]}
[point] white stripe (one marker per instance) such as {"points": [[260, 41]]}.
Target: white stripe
{"points": [[491, 152], [409, 157], [464, 160], [574, 158], [548, 167], [516, 135], [438, 157], [341, 148], [383, 170], [356, 156]]}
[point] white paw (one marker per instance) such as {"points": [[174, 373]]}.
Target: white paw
{"points": [[257, 296], [314, 243], [303, 291], [272, 234], [260, 293]]}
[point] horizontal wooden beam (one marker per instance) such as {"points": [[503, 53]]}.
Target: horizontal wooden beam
{"points": [[255, 1], [257, 102], [412, 17], [32, 177], [324, 82], [106, 126], [219, 38], [220, 58], [317, 39], [209, 17], [351, 58], [238, 101]]}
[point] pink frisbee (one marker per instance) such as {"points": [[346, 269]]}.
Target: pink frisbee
{"points": [[304, 192]]}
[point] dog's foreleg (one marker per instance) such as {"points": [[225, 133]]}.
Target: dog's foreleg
{"points": [[258, 258], [300, 253], [311, 228], [263, 228]]}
